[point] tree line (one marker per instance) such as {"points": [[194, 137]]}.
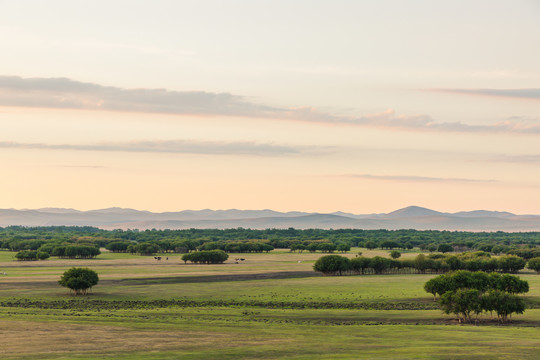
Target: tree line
{"points": [[496, 242], [435, 264]]}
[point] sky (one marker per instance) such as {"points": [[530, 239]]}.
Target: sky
{"points": [[319, 106]]}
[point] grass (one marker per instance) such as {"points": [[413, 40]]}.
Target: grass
{"points": [[144, 309]]}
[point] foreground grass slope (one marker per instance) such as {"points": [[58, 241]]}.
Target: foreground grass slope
{"points": [[144, 309]]}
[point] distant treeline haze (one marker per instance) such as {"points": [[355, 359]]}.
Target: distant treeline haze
{"points": [[80, 242]]}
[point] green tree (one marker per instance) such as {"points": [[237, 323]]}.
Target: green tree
{"points": [[534, 264], [371, 245], [343, 247], [395, 254], [206, 257], [117, 246], [79, 280], [511, 263], [332, 264], [462, 302], [444, 248]]}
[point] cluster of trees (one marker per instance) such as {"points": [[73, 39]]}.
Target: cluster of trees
{"points": [[526, 253], [75, 251], [465, 293], [206, 257], [118, 246], [79, 280], [186, 246], [436, 263], [66, 251], [324, 247], [30, 255], [237, 247], [145, 248]]}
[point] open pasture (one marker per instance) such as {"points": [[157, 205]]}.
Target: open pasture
{"points": [[269, 306]]}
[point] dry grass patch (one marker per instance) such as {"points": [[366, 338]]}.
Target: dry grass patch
{"points": [[25, 338]]}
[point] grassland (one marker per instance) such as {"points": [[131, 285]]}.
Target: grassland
{"points": [[270, 306]]}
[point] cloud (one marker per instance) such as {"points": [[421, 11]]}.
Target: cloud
{"points": [[410, 178], [83, 166], [522, 159], [69, 94], [175, 147], [511, 93]]}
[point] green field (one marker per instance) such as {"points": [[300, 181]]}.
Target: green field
{"points": [[270, 306]]}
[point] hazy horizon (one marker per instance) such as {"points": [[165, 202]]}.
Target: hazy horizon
{"points": [[314, 106], [266, 209]]}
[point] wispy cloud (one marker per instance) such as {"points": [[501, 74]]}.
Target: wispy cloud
{"points": [[412, 178], [520, 159], [511, 93], [83, 166], [176, 147], [70, 94]]}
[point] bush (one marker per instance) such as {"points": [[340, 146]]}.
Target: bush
{"points": [[79, 280]]}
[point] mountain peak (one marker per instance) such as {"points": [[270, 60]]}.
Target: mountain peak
{"points": [[413, 211]]}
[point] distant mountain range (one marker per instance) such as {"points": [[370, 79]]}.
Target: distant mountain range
{"points": [[412, 217]]}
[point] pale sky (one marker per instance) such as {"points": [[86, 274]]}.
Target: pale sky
{"points": [[357, 106]]}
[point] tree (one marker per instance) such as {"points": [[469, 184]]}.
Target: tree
{"points": [[371, 245], [431, 247], [389, 244], [380, 264], [206, 257], [342, 247], [462, 302], [332, 264], [534, 264], [395, 254], [503, 304], [444, 248], [79, 280], [511, 263], [118, 246]]}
